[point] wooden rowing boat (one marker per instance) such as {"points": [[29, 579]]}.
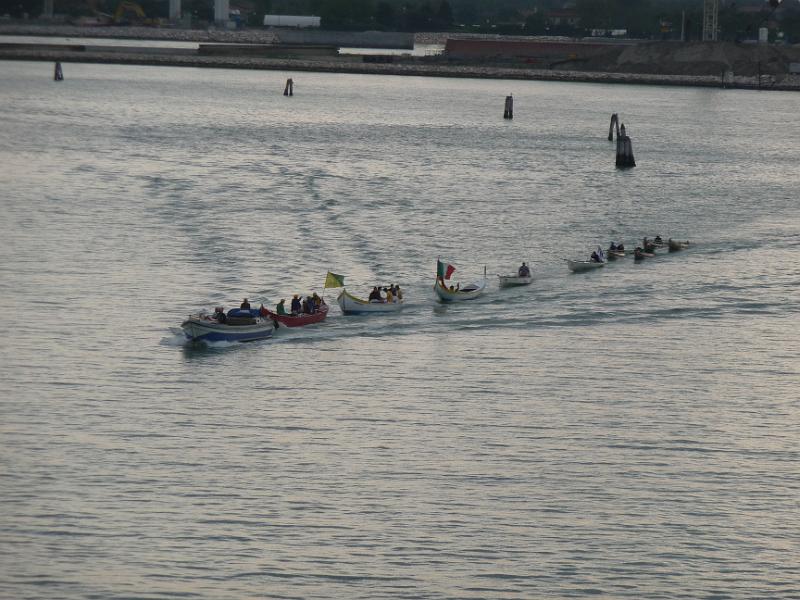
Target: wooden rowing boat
{"points": [[675, 245], [351, 305], [468, 292], [580, 266], [299, 320], [514, 280]]}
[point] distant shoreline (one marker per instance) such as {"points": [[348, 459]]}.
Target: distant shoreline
{"points": [[421, 67], [400, 69]]}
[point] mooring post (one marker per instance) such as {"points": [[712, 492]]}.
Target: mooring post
{"points": [[289, 89], [58, 75], [508, 113], [624, 150], [614, 121]]}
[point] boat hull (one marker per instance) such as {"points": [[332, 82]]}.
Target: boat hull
{"points": [[205, 330], [514, 280], [446, 295], [351, 305], [615, 254], [581, 266], [299, 320], [675, 246]]}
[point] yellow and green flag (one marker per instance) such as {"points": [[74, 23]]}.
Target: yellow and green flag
{"points": [[332, 280]]}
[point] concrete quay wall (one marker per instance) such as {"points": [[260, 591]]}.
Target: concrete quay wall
{"points": [[354, 64]]}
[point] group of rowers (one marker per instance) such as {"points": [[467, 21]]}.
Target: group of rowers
{"points": [[393, 294], [648, 247], [306, 306]]}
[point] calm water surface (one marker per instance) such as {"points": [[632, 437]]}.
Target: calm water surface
{"points": [[631, 432]]}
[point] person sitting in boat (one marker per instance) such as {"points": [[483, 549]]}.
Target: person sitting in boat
{"points": [[621, 248], [219, 315], [245, 305], [595, 257], [637, 253], [312, 305], [398, 292], [296, 306], [389, 295], [318, 302], [613, 247], [281, 307], [524, 271], [658, 240], [375, 295]]}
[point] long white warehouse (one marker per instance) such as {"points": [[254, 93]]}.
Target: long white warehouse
{"points": [[290, 21]]}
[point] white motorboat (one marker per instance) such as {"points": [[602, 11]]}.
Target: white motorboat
{"points": [[236, 328]]}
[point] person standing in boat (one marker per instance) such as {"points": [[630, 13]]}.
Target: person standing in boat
{"points": [[245, 305], [296, 306], [312, 304], [524, 271]]}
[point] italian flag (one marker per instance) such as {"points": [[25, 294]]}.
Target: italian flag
{"points": [[444, 270]]}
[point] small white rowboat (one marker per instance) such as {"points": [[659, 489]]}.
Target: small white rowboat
{"points": [[579, 266], [468, 292], [351, 305], [675, 245], [513, 280]]}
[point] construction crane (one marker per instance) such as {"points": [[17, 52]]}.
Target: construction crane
{"points": [[710, 20], [711, 17]]}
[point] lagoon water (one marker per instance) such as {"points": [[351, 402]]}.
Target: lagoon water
{"points": [[625, 433]]}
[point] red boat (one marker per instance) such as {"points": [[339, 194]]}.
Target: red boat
{"points": [[299, 320]]}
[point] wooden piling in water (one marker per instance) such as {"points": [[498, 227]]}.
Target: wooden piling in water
{"points": [[58, 74], [624, 150], [289, 89], [508, 113], [614, 121]]}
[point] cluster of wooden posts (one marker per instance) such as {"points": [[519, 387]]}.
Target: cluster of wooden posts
{"points": [[624, 146]]}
